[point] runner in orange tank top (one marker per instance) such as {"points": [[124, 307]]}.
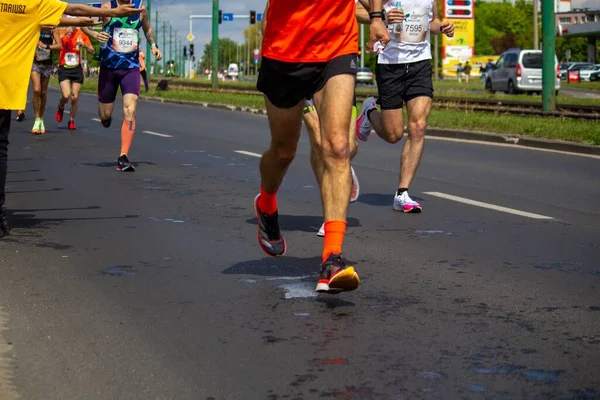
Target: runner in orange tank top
{"points": [[309, 51]]}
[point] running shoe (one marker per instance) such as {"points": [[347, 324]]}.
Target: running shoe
{"points": [[363, 125], [59, 114], [106, 122], [72, 126], [36, 127], [4, 228], [270, 239], [404, 203], [42, 127], [355, 186], [321, 232], [124, 165], [336, 276], [20, 116]]}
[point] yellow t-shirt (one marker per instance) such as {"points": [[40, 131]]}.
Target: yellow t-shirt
{"points": [[20, 23]]}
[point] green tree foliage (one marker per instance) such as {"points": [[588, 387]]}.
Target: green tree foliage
{"points": [[501, 26]]}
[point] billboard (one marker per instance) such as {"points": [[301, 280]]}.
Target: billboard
{"points": [[462, 14]]}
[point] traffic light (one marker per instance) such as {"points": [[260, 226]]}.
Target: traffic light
{"points": [[220, 16], [191, 49], [185, 51], [252, 17]]}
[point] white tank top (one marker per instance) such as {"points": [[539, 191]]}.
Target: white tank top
{"points": [[413, 43]]}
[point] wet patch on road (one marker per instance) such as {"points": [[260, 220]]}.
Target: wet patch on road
{"points": [[119, 270]]}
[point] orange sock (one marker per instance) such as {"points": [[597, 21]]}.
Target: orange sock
{"points": [[267, 202], [334, 237], [127, 131]]}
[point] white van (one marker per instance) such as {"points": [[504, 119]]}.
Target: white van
{"points": [[233, 70], [519, 71]]}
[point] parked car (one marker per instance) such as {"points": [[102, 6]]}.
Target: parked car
{"points": [[595, 76], [518, 71], [574, 66], [585, 72], [364, 75]]}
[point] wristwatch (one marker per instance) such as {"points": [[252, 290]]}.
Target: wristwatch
{"points": [[376, 14]]}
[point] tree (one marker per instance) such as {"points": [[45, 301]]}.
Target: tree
{"points": [[228, 53]]}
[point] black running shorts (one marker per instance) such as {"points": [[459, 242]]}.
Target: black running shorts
{"points": [[400, 83], [287, 84], [75, 75]]}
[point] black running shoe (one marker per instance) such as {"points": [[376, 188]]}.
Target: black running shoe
{"points": [[106, 122], [270, 239], [336, 277], [124, 165], [20, 116], [4, 228]]}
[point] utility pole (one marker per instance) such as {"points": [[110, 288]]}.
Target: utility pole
{"points": [[436, 59], [170, 43], [548, 55], [215, 43], [362, 45], [148, 52], [536, 38], [165, 48], [148, 56]]}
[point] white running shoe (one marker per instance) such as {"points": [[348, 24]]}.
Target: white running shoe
{"points": [[321, 232], [405, 204], [355, 186], [363, 125]]}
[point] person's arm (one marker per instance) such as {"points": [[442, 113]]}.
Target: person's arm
{"points": [[378, 31], [362, 14], [79, 21], [100, 36], [88, 44], [56, 41], [150, 35], [438, 27], [82, 10]]}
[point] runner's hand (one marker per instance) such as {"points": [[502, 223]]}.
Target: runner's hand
{"points": [[125, 10], [395, 16], [157, 53], [103, 37], [378, 32], [41, 45], [86, 21], [448, 28]]}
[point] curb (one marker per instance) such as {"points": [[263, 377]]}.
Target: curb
{"points": [[517, 140]]}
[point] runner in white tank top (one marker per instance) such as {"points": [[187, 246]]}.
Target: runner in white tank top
{"points": [[404, 75]]}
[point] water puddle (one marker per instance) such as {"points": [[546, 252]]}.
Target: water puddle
{"points": [[288, 278], [299, 290], [119, 270], [302, 314], [476, 389], [538, 375], [430, 375]]}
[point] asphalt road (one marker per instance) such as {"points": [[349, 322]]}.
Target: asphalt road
{"points": [[150, 285]]}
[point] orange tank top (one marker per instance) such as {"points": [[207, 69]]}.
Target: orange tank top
{"points": [[310, 30]]}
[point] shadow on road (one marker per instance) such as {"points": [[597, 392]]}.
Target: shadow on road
{"points": [[304, 223], [281, 267]]}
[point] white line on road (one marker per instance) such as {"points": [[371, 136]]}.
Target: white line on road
{"points": [[96, 119], [248, 153], [487, 205], [157, 134]]}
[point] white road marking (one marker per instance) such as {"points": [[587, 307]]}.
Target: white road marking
{"points": [[248, 153], [157, 134], [67, 112], [488, 206], [512, 146], [96, 119]]}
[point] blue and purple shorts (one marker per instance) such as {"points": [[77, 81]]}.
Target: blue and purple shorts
{"points": [[109, 81]]}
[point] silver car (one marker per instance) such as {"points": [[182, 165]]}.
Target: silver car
{"points": [[519, 71]]}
